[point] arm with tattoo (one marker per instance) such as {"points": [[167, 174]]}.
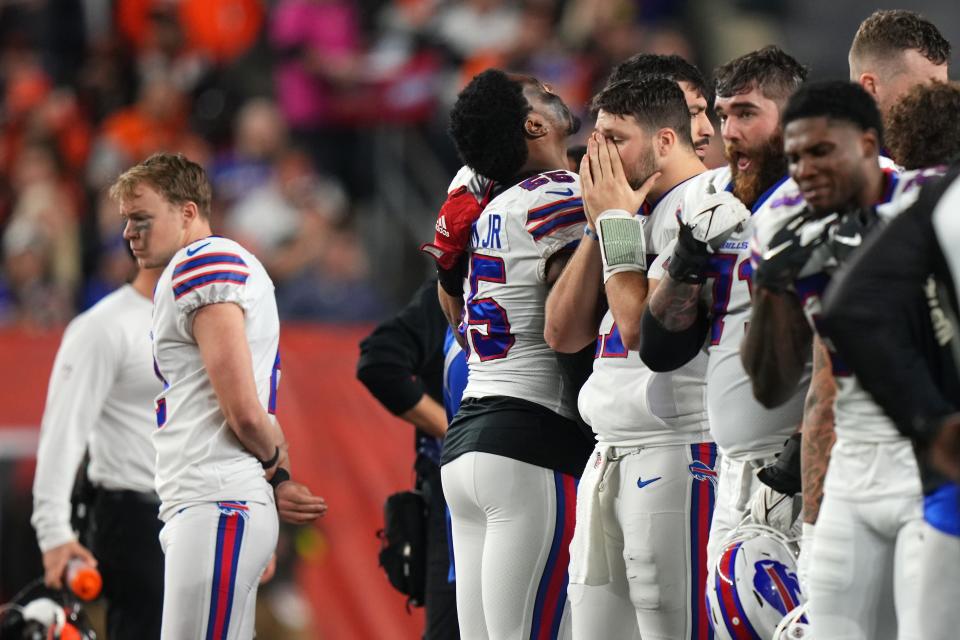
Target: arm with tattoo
{"points": [[777, 346], [674, 325], [818, 432], [675, 305]]}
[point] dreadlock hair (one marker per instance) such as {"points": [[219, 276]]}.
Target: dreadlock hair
{"points": [[835, 100], [651, 65], [775, 73], [923, 129], [884, 35], [486, 124], [655, 103]]}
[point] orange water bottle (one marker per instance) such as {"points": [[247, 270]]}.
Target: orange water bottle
{"points": [[83, 580]]}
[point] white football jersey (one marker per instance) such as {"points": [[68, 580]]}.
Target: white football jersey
{"points": [[199, 459], [625, 402], [506, 289], [856, 415], [742, 427]]}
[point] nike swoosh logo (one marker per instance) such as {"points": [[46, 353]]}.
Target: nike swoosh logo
{"points": [[193, 252], [567, 192], [773, 251], [850, 241], [642, 483], [769, 510]]}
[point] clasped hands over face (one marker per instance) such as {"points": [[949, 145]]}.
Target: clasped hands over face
{"points": [[604, 182]]}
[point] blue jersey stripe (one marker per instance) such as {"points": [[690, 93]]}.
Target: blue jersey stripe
{"points": [[274, 383], [212, 258], [208, 278], [545, 211], [559, 222]]}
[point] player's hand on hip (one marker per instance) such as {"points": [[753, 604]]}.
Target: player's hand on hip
{"points": [[297, 505], [604, 183], [55, 562]]}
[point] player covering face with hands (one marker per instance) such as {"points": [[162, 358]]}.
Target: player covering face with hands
{"points": [[638, 556]]}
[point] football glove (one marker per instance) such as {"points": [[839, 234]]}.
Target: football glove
{"points": [[847, 235], [791, 248], [703, 231], [784, 474], [690, 257], [452, 230], [715, 219], [777, 510]]}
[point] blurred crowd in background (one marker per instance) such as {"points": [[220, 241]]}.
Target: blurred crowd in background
{"points": [[321, 123], [289, 105]]}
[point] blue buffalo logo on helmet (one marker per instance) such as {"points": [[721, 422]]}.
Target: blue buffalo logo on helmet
{"points": [[777, 585], [702, 472]]}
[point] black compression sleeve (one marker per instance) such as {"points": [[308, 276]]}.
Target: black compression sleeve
{"points": [[664, 350], [403, 358]]}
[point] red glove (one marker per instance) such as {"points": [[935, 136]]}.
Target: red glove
{"points": [[457, 215]]}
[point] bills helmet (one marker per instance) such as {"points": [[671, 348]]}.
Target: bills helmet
{"points": [[795, 626], [754, 583]]}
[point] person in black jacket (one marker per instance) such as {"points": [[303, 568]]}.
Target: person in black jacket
{"points": [[896, 326], [402, 364]]}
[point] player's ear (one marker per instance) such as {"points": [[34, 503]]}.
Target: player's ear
{"points": [[869, 82], [190, 212], [870, 143], [665, 141], [535, 126]]}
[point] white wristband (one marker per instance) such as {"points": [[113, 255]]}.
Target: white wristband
{"points": [[622, 245]]}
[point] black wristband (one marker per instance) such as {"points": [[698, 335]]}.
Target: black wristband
{"points": [[278, 478], [266, 464], [452, 279]]}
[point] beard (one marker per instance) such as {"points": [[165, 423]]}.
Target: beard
{"points": [[646, 166], [767, 165]]}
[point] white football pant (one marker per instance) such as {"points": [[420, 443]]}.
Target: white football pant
{"points": [[638, 560], [940, 564], [865, 562], [215, 554], [737, 482], [512, 524]]}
